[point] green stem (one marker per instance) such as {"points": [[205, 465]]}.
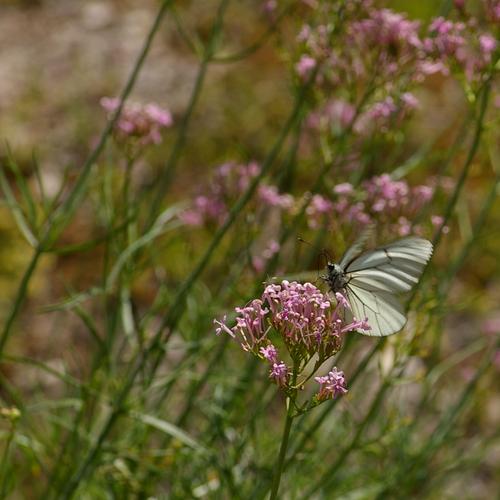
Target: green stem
{"points": [[21, 295], [169, 169], [177, 307], [328, 477], [460, 182], [284, 445], [61, 217]]}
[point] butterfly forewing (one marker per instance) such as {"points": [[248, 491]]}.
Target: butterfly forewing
{"points": [[374, 277]]}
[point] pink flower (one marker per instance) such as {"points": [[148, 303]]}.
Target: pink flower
{"points": [[270, 353], [409, 100], [383, 109], [344, 188], [270, 196], [138, 122], [221, 327], [331, 385], [271, 249], [488, 44], [423, 193], [404, 226], [342, 300], [491, 325], [160, 116], [339, 113], [493, 10], [305, 321], [270, 6], [437, 221], [299, 313], [305, 65], [279, 372], [251, 325], [318, 207]]}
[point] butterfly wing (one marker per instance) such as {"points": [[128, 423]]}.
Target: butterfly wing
{"points": [[382, 310], [377, 276], [357, 246]]}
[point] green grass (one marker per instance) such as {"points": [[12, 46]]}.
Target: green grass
{"points": [[133, 395]]}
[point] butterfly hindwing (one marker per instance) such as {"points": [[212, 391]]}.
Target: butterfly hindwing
{"points": [[382, 310]]}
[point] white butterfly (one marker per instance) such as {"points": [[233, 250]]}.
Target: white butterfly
{"points": [[372, 280]]}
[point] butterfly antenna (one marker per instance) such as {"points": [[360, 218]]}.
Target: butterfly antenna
{"points": [[302, 240]]}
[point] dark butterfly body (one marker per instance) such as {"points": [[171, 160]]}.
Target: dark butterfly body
{"points": [[336, 278]]}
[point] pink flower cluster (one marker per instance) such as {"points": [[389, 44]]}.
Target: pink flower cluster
{"points": [[395, 38], [259, 261], [139, 122], [493, 10], [384, 48], [456, 43], [338, 115], [391, 203], [381, 199], [302, 318], [229, 182]]}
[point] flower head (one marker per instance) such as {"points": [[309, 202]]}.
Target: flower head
{"points": [[331, 385], [137, 121], [303, 320]]}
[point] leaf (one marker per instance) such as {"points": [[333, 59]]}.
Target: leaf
{"points": [[171, 430]]}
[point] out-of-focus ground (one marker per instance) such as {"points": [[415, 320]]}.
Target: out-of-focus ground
{"points": [[58, 58]]}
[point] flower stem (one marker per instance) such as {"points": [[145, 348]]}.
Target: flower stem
{"points": [[290, 402]]}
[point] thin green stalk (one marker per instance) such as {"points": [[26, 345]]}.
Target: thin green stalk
{"points": [[21, 295], [443, 429], [5, 464], [467, 164], [466, 248], [168, 171], [281, 458], [315, 425], [328, 477], [254, 47], [138, 365], [66, 210], [62, 215], [177, 307], [461, 180], [290, 409]]}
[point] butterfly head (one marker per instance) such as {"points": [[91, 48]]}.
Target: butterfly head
{"points": [[336, 277]]}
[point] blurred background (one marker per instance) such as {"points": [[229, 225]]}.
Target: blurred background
{"points": [[58, 59]]}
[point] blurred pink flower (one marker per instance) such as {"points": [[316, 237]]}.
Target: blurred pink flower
{"points": [[409, 100], [343, 188], [270, 196], [259, 261], [491, 325], [138, 122], [488, 44], [229, 181], [318, 208], [437, 222], [305, 65]]}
